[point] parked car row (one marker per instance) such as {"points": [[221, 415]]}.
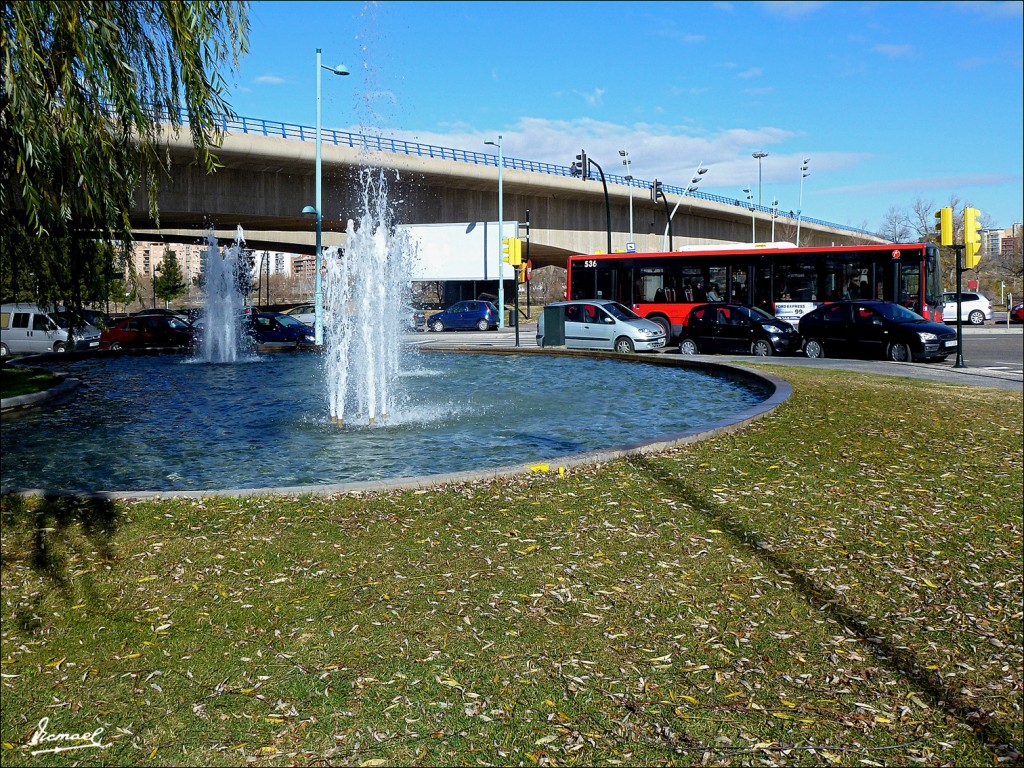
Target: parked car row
{"points": [[873, 329]]}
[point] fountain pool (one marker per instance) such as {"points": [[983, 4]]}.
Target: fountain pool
{"points": [[168, 423]]}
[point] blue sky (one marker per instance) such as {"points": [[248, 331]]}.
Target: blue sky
{"points": [[892, 102]]}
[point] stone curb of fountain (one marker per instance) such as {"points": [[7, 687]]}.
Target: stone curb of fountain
{"points": [[64, 388], [781, 390]]}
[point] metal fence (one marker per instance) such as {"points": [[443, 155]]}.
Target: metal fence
{"points": [[261, 127]]}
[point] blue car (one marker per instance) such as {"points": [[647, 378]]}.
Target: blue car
{"points": [[465, 316], [276, 329]]}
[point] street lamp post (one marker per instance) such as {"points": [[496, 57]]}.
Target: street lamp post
{"points": [[317, 210], [501, 232], [694, 181], [750, 205], [804, 173], [629, 178], [775, 213], [156, 269], [758, 156]]}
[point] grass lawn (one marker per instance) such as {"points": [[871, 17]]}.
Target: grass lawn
{"points": [[15, 380], [837, 584]]}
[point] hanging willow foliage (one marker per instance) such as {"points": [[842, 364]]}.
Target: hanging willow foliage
{"points": [[88, 89]]}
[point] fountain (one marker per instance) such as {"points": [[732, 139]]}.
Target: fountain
{"points": [[223, 302], [364, 289]]}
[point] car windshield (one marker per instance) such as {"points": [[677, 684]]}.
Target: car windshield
{"points": [[757, 314], [290, 321], [897, 313], [620, 311], [179, 325]]}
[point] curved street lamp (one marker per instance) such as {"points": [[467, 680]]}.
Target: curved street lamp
{"points": [[317, 210], [581, 168], [694, 181]]}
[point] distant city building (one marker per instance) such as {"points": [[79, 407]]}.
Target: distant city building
{"points": [[1000, 242], [149, 256]]}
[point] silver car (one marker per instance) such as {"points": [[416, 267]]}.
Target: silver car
{"points": [[600, 324], [975, 308]]}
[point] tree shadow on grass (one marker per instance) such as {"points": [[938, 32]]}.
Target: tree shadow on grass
{"points": [[901, 659], [50, 533]]}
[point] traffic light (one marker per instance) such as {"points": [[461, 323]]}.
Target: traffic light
{"points": [[512, 248], [972, 238], [655, 190], [581, 167], [944, 225]]}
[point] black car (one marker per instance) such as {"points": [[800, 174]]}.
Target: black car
{"points": [[736, 329], [877, 329], [273, 329]]}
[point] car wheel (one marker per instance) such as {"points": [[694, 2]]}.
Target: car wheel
{"points": [[814, 349], [60, 347], [900, 353], [977, 317], [666, 327], [624, 345], [688, 347], [4, 351], [116, 347], [761, 348], [481, 325], [437, 325]]}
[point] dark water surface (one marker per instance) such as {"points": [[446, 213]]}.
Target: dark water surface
{"points": [[161, 423]]}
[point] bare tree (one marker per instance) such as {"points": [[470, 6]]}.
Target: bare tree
{"points": [[896, 225]]}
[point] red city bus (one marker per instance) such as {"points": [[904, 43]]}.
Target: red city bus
{"points": [[779, 277]]}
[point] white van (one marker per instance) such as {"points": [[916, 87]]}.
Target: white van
{"points": [[27, 329]]}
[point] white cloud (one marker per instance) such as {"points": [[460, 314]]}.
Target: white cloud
{"points": [[749, 73], [270, 80], [669, 153]]}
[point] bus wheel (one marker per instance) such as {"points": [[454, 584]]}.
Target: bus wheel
{"points": [[761, 348], [688, 347], [814, 349], [900, 353]]}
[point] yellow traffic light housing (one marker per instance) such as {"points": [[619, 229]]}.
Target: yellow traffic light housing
{"points": [[972, 238], [512, 248], [944, 225]]}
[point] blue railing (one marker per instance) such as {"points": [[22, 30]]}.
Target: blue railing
{"points": [[363, 141]]}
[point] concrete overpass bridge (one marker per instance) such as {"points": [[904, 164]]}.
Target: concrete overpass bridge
{"points": [[268, 176]]}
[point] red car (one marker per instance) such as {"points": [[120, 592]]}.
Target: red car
{"points": [[1017, 313], [152, 331]]}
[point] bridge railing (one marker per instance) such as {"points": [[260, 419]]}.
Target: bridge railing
{"points": [[262, 127]]}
